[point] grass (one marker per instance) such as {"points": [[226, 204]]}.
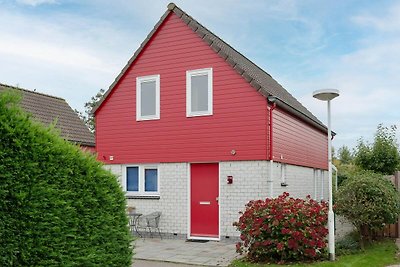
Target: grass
{"points": [[378, 254]]}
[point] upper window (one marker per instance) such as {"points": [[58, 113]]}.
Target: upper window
{"points": [[141, 181], [199, 92], [148, 98]]}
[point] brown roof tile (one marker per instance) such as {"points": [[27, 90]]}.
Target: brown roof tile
{"points": [[258, 78], [47, 109]]}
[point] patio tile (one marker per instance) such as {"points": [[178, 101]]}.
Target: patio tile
{"points": [[179, 251]]}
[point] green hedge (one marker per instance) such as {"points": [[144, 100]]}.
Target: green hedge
{"points": [[58, 206]]}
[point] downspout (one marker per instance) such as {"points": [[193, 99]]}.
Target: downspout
{"points": [[271, 99]]}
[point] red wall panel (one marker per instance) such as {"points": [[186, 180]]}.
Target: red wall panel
{"points": [[239, 120], [298, 143]]}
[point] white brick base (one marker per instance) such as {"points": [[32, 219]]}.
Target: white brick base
{"points": [[250, 182]]}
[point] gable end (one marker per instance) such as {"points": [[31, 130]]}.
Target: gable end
{"points": [[261, 81]]}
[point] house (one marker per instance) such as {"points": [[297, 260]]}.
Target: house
{"points": [[195, 130], [49, 109]]}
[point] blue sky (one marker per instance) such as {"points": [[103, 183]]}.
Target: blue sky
{"points": [[73, 48]]}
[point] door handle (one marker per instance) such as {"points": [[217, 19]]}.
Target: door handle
{"points": [[217, 199], [205, 203]]}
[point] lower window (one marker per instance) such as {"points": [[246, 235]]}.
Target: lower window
{"points": [[141, 181]]}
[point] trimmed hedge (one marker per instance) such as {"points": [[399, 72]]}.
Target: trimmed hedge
{"points": [[58, 206]]}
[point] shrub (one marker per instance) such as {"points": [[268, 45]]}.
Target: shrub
{"points": [[349, 244], [368, 201], [345, 171], [58, 206], [283, 229]]}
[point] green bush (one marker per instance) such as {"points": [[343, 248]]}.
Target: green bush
{"points": [[345, 171], [58, 206], [369, 201], [283, 229], [349, 244]]}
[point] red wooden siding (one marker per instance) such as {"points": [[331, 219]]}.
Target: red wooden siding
{"points": [[239, 120], [298, 143]]}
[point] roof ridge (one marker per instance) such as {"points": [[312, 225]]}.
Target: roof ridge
{"points": [[30, 91]]}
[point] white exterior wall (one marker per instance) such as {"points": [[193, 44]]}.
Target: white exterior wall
{"points": [[301, 182], [173, 201], [249, 183]]}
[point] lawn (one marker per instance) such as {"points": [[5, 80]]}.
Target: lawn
{"points": [[378, 254]]}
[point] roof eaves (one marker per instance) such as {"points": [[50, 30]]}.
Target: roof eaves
{"points": [[83, 143], [131, 60]]}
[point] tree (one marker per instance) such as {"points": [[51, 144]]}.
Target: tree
{"points": [[383, 155], [88, 116], [369, 201], [59, 206], [344, 155]]}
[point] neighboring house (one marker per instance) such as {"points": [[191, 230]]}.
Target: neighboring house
{"points": [[195, 130], [49, 109]]}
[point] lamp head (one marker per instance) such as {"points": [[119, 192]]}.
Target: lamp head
{"points": [[326, 94]]}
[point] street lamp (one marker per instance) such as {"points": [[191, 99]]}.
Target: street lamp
{"points": [[328, 95]]}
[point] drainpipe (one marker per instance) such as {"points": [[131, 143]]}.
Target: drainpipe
{"points": [[271, 99]]}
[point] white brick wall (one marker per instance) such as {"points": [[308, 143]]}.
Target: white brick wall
{"points": [[173, 197], [250, 182]]}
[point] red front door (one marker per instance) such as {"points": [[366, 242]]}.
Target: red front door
{"points": [[204, 193]]}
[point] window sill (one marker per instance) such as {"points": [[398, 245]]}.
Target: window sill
{"points": [[142, 197], [198, 115], [148, 118]]}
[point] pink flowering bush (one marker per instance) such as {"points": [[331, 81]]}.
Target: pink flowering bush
{"points": [[283, 229]]}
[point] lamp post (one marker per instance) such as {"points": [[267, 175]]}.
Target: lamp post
{"points": [[328, 95]]}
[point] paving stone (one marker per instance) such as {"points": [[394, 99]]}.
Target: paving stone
{"points": [[179, 251]]}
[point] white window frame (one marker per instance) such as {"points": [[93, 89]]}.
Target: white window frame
{"points": [[199, 72], [139, 81], [141, 180]]}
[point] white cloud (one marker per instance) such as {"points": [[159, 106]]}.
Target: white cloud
{"points": [[389, 21], [36, 2], [62, 54], [51, 53]]}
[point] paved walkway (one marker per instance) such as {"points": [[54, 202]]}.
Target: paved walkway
{"points": [[147, 263], [183, 252]]}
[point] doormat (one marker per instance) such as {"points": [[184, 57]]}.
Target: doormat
{"points": [[197, 241]]}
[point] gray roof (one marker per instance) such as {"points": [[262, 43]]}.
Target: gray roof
{"points": [[47, 109], [258, 78]]}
